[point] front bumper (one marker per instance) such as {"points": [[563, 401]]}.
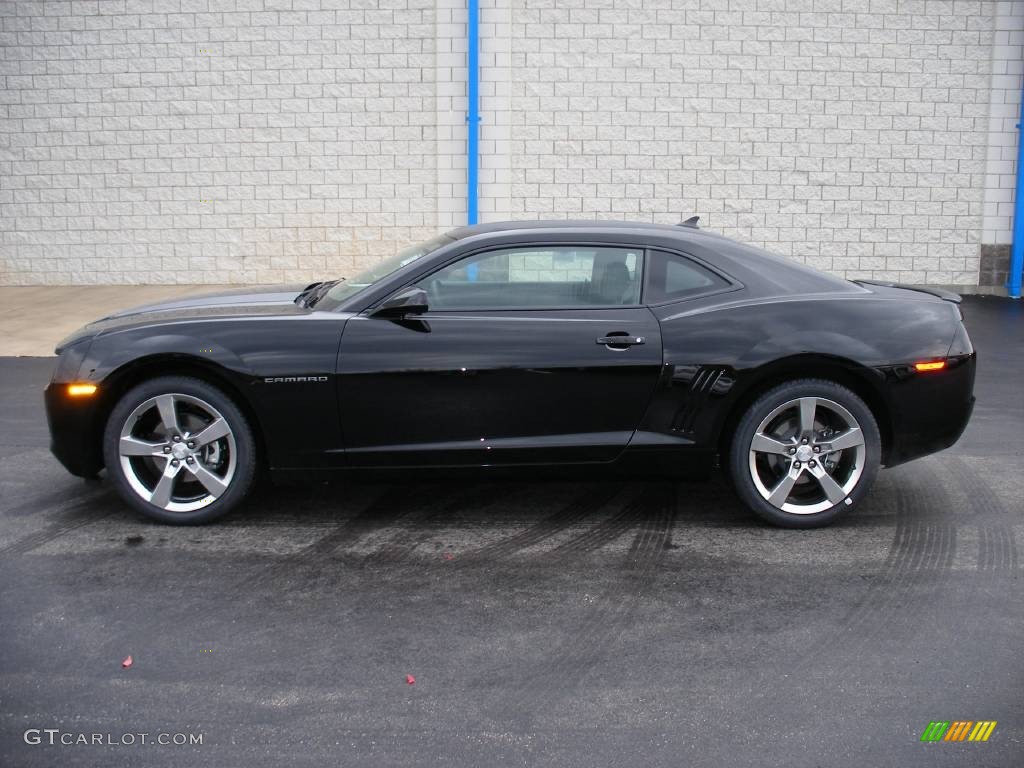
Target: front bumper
{"points": [[930, 411], [74, 430], [73, 421]]}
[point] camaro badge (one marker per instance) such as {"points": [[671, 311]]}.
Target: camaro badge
{"points": [[293, 379]]}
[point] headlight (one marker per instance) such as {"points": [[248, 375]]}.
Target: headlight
{"points": [[70, 361]]}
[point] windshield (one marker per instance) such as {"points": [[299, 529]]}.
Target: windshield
{"points": [[382, 269]]}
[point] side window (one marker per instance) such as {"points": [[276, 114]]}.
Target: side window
{"points": [[537, 277], [671, 277]]}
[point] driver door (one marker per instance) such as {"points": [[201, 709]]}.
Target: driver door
{"points": [[529, 354]]}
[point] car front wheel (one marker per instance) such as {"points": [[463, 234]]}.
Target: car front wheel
{"points": [[179, 450], [804, 453]]}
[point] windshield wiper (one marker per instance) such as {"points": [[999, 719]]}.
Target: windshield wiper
{"points": [[306, 292], [319, 290]]}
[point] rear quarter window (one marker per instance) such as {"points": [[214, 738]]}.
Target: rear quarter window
{"points": [[671, 277]]}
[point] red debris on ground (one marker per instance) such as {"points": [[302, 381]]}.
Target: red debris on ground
{"points": [[127, 662], [448, 556], [410, 679]]}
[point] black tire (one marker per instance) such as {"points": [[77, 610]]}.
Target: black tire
{"points": [[239, 454], [743, 465]]}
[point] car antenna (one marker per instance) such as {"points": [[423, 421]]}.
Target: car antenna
{"points": [[690, 222]]}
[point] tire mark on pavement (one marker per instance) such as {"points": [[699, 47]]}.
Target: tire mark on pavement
{"points": [[997, 547], [603, 532], [589, 642], [997, 550], [921, 554], [395, 503], [242, 594], [401, 546], [606, 532], [55, 501], [566, 517], [72, 515]]}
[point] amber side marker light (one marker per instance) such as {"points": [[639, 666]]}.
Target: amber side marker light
{"points": [[935, 365], [81, 390]]}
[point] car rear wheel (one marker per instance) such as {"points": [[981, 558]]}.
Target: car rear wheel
{"points": [[179, 450], [804, 453]]}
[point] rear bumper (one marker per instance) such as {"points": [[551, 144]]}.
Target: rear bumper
{"points": [[929, 410], [73, 435]]}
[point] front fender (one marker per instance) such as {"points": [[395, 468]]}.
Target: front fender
{"points": [[282, 368], [109, 354]]}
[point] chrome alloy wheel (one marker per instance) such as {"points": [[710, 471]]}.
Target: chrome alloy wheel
{"points": [[807, 455], [177, 452]]}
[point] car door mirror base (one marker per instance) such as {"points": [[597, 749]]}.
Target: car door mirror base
{"points": [[410, 301]]}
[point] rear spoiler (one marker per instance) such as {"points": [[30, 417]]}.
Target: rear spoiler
{"points": [[942, 294]]}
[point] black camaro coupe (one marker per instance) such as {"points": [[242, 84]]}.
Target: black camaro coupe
{"points": [[623, 346]]}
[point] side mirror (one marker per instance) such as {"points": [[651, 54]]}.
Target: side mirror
{"points": [[411, 301]]}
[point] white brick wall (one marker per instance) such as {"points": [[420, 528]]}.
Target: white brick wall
{"points": [[266, 140], [213, 141], [1004, 114], [848, 134]]}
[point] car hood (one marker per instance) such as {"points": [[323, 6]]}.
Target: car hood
{"points": [[239, 302], [232, 299]]}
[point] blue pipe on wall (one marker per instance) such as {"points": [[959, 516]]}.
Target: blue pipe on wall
{"points": [[1013, 282], [473, 118]]}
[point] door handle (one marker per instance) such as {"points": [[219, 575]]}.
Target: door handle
{"points": [[620, 340]]}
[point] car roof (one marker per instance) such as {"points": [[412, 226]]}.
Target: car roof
{"points": [[577, 224]]}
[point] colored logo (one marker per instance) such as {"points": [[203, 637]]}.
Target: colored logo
{"points": [[958, 730]]}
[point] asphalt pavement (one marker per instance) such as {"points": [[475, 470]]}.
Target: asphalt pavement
{"points": [[555, 623]]}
